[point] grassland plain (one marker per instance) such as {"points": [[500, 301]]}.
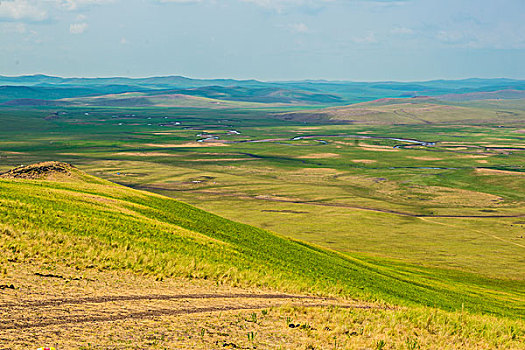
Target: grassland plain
{"points": [[81, 225], [456, 204], [446, 218]]}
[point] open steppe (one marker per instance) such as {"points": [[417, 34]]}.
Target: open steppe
{"points": [[401, 228]]}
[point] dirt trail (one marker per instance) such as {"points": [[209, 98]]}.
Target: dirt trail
{"points": [[336, 205], [43, 313], [105, 299], [28, 323]]}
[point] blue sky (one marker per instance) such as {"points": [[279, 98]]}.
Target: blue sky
{"points": [[265, 39]]}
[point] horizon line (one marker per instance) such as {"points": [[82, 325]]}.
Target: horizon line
{"points": [[256, 80]]}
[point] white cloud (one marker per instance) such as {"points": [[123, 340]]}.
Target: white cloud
{"points": [[76, 4], [369, 38], [451, 37], [22, 10], [299, 28], [13, 27], [181, 1], [78, 28], [281, 5], [401, 30]]}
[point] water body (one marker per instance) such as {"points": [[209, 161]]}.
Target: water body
{"points": [[208, 139], [315, 137]]}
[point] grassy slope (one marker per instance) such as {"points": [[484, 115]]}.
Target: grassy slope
{"points": [[93, 223], [415, 111]]}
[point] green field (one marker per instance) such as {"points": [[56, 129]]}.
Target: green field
{"points": [[438, 224], [86, 222]]}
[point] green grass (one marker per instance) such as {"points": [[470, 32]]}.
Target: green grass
{"points": [[443, 262], [234, 174], [96, 224]]}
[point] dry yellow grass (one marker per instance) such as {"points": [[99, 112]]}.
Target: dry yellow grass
{"points": [[320, 156], [146, 154], [457, 197], [378, 148], [364, 161], [425, 158], [314, 171], [12, 152], [310, 128], [220, 159], [185, 144], [485, 171], [71, 309], [472, 156], [493, 145]]}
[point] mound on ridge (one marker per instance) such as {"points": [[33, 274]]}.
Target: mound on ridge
{"points": [[43, 170], [50, 170]]}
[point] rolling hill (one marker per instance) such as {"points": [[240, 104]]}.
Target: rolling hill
{"points": [[421, 110], [56, 214], [41, 88]]}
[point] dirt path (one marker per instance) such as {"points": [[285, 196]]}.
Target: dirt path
{"points": [[116, 309], [44, 313], [105, 299], [28, 323], [336, 205]]}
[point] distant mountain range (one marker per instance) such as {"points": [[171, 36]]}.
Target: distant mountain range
{"points": [[49, 90]]}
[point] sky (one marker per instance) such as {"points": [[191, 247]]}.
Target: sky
{"points": [[358, 40]]}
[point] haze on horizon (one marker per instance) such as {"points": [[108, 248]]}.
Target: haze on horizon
{"points": [[265, 39]]}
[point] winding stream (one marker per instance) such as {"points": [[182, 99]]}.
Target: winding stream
{"points": [[323, 142]]}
